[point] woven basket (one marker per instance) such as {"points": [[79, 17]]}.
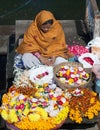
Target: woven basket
{"points": [[74, 64]]}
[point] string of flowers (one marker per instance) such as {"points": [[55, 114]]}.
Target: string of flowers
{"points": [[48, 124], [35, 112], [86, 105]]}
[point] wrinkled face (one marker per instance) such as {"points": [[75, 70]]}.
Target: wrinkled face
{"points": [[45, 27]]}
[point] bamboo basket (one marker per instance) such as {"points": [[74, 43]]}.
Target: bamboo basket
{"points": [[70, 64]]}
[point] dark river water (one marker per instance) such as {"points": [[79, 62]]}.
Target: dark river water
{"points": [[27, 9]]}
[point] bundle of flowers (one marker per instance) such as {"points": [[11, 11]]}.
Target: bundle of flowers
{"points": [[45, 110], [83, 103]]}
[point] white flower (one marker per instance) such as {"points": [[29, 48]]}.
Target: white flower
{"points": [[49, 109], [34, 100], [52, 86], [41, 99], [54, 113], [80, 68], [77, 75], [21, 97], [55, 94], [73, 75], [63, 99], [79, 81], [83, 73], [52, 102], [66, 67], [62, 80]]}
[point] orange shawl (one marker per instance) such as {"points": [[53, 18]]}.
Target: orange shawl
{"points": [[51, 43]]}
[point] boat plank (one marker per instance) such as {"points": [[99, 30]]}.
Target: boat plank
{"points": [[97, 26]]}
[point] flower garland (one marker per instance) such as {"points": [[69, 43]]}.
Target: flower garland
{"points": [[48, 124], [45, 110], [33, 106], [85, 105]]}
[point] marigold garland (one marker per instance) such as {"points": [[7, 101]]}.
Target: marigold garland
{"points": [[86, 105], [18, 109], [48, 124]]}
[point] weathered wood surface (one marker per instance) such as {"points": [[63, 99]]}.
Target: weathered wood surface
{"points": [[7, 29], [97, 26], [5, 32], [92, 18], [4, 41]]}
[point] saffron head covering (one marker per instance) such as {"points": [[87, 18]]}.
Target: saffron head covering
{"points": [[51, 43]]}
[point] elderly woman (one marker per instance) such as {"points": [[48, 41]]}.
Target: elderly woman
{"points": [[44, 42]]}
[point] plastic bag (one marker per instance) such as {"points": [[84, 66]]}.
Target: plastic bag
{"points": [[88, 60], [94, 42]]}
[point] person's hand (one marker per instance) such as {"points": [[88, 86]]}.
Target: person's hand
{"points": [[28, 60], [52, 60], [44, 60]]}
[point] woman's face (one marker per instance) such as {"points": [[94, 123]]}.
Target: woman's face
{"points": [[46, 27]]}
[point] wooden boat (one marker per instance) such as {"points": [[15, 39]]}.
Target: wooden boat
{"points": [[74, 29]]}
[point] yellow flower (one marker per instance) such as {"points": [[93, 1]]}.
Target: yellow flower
{"points": [[70, 81], [60, 74], [21, 101], [34, 104], [20, 111], [79, 120], [30, 122], [34, 117], [45, 85], [26, 111], [4, 114], [75, 70], [80, 76], [92, 100], [12, 103], [5, 98], [90, 115], [68, 72], [94, 93], [41, 89], [87, 75], [37, 95], [42, 112], [12, 116]]}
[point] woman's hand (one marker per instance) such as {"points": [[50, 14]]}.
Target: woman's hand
{"points": [[47, 61], [44, 60], [52, 60]]}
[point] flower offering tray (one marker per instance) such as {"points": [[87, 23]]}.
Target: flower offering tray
{"points": [[75, 65]]}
